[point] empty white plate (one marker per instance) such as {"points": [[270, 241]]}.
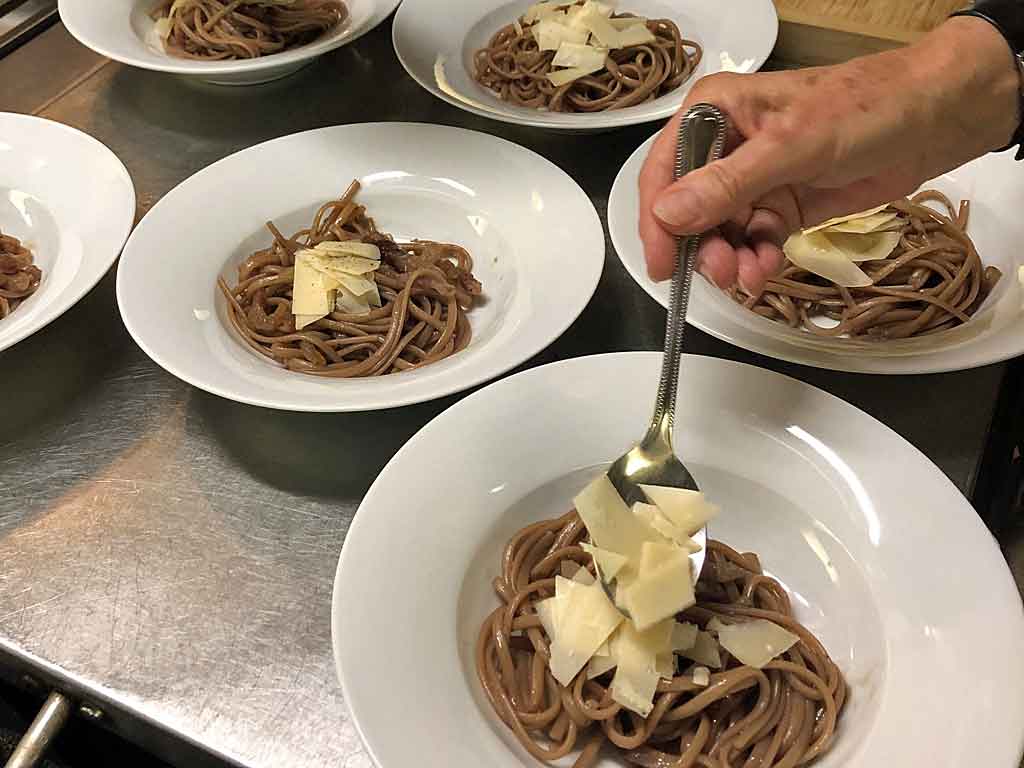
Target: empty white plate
{"points": [[893, 571], [535, 238], [122, 30], [736, 36], [71, 202], [991, 183]]}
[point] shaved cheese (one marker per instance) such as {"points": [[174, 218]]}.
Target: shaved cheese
{"points": [[817, 254], [684, 636], [701, 676], [686, 509], [561, 77], [542, 10], [546, 610], [655, 555], [517, 25], [350, 304], [598, 665], [583, 576], [331, 276], [715, 624], [757, 642], [871, 247], [301, 321], [651, 515], [608, 563], [864, 225], [346, 248], [581, 625], [572, 18], [625, 22], [665, 665], [662, 588], [638, 34], [563, 587], [609, 521], [634, 688], [591, 19], [704, 651], [844, 219], [311, 293], [636, 675], [551, 35], [357, 286], [578, 55]]}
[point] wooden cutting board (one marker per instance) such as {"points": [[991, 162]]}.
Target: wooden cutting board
{"points": [[829, 31]]}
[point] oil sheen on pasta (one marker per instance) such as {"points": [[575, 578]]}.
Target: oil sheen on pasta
{"points": [[781, 716], [933, 281], [214, 30], [426, 289], [19, 277], [515, 69]]}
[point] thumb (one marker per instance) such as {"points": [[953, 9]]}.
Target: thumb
{"points": [[716, 193]]}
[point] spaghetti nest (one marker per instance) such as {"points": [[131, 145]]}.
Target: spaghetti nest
{"points": [[426, 288], [232, 29], [515, 69], [932, 282], [19, 277], [780, 716]]}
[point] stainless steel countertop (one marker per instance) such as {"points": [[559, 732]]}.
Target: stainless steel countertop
{"points": [[172, 553]]}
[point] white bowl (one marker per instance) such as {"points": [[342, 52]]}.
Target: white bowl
{"points": [[737, 36], [122, 30], [995, 333], [71, 202], [893, 571], [536, 241]]}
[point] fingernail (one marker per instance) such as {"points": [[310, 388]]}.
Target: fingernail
{"points": [[678, 208]]}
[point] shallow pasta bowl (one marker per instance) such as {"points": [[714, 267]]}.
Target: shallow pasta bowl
{"points": [[71, 202], [436, 43], [535, 238], [803, 479], [123, 30], [994, 333]]}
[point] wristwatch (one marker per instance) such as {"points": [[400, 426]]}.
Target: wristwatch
{"points": [[1007, 16]]}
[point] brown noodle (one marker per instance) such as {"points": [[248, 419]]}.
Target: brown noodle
{"points": [[932, 282], [515, 69], [232, 29], [19, 277], [425, 287], [778, 717]]}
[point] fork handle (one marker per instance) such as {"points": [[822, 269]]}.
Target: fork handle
{"points": [[701, 140]]}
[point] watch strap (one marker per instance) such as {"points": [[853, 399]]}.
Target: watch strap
{"points": [[1007, 16]]}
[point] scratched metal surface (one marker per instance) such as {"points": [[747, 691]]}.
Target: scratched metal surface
{"points": [[172, 552]]}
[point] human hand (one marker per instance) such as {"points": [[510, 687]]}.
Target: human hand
{"points": [[813, 144]]}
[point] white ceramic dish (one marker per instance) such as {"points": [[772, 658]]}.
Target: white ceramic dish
{"points": [[992, 185], [736, 36], [908, 591], [536, 241], [71, 202], [123, 30]]}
